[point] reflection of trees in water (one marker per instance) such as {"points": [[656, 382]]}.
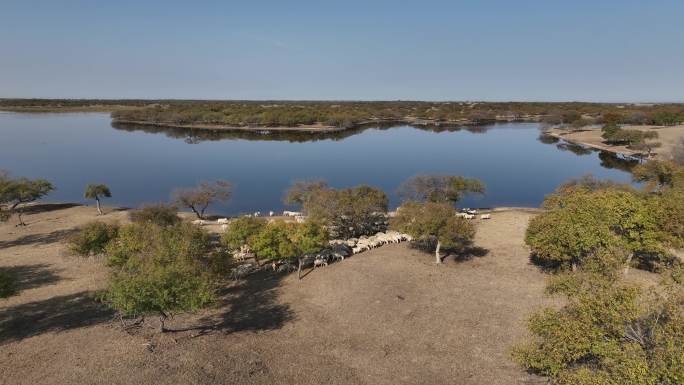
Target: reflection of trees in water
{"points": [[613, 161], [547, 139], [194, 135], [575, 148]]}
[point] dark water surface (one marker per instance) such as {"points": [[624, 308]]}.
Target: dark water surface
{"points": [[143, 164]]}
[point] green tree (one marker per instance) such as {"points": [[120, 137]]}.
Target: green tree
{"points": [[345, 212], [199, 198], [286, 240], [16, 192], [241, 230], [434, 222], [160, 270], [659, 174], [97, 191], [609, 332], [439, 188], [582, 225]]}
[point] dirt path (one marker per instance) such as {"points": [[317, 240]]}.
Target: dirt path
{"points": [[388, 316]]}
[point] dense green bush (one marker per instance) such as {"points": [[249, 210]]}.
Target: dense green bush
{"points": [[92, 238], [608, 333], [160, 214], [591, 222], [240, 231], [281, 240], [160, 270]]}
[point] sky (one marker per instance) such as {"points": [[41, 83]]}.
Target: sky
{"points": [[550, 50]]}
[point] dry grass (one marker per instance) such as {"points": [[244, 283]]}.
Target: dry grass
{"points": [[388, 316]]}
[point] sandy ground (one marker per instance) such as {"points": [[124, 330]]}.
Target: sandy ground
{"points": [[387, 316], [668, 136]]}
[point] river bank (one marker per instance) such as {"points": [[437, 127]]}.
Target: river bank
{"points": [[669, 137]]}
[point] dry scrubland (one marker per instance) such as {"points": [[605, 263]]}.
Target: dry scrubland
{"points": [[387, 316]]}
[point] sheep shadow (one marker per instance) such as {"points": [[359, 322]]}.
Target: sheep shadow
{"points": [[38, 239], [53, 315], [31, 276], [251, 305]]}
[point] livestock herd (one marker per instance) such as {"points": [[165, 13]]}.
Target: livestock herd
{"points": [[338, 249]]}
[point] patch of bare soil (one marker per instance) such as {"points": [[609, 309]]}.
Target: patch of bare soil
{"points": [[387, 316]]}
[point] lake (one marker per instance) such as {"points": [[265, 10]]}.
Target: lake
{"points": [[144, 165]]}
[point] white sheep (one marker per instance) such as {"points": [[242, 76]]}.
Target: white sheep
{"points": [[198, 222], [291, 213], [485, 216], [270, 213], [222, 221]]}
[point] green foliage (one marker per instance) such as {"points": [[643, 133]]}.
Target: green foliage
{"points": [[97, 191], [584, 225], [281, 240], [439, 188], [434, 222], [161, 270], [347, 212], [92, 238], [608, 333], [160, 214], [659, 174], [241, 230], [14, 192], [667, 118], [7, 284], [613, 134]]}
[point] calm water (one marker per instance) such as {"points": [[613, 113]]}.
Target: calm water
{"points": [[140, 166]]}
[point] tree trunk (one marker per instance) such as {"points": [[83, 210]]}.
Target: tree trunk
{"points": [[438, 258], [199, 216], [21, 221], [97, 201], [299, 267], [627, 265]]}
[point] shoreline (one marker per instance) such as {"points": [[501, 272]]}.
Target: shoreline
{"points": [[318, 128]]}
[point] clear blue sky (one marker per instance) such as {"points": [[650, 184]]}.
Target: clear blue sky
{"points": [[431, 50]]}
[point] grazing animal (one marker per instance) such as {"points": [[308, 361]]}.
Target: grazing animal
{"points": [[257, 213], [221, 221], [318, 262], [485, 216], [199, 222], [270, 213]]}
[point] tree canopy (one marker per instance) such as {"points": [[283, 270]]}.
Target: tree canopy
{"points": [[199, 198], [346, 212], [15, 192], [439, 188], [609, 332], [434, 222], [584, 224]]}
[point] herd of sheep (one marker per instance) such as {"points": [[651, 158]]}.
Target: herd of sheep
{"points": [[337, 250]]}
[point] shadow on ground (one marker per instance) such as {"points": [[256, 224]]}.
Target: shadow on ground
{"points": [[31, 276], [47, 207], [38, 239], [56, 314], [468, 253], [252, 305]]}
